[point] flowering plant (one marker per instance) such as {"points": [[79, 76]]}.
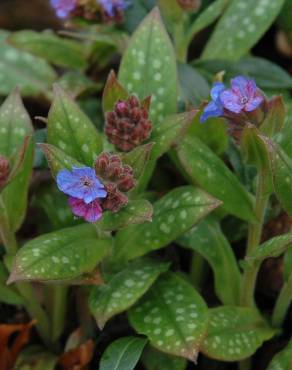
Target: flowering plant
{"points": [[151, 185]]}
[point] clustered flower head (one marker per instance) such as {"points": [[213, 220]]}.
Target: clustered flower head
{"points": [[64, 8], [128, 125], [189, 5], [113, 10], [241, 98], [94, 190]]}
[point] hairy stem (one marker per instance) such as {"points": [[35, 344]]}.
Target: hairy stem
{"points": [[282, 304]]}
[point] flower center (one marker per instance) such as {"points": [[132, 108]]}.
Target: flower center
{"points": [[244, 100], [87, 182]]}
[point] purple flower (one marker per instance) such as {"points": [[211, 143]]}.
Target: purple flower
{"points": [[111, 7], [63, 7], [90, 212], [242, 96], [215, 107], [81, 183]]}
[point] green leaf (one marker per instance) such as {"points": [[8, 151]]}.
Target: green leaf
{"points": [[257, 151], [282, 175], [136, 212], [15, 124], [267, 75], [207, 239], [57, 159], [123, 289], [271, 248], [275, 119], [169, 132], [173, 316], [71, 130], [148, 67], [156, 360], [35, 358], [239, 29], [210, 172], [194, 87], [75, 83], [61, 255], [235, 333], [138, 158], [18, 68], [15, 193], [7, 294], [113, 91], [213, 133], [49, 46], [288, 265], [282, 360], [207, 17], [122, 354], [173, 215]]}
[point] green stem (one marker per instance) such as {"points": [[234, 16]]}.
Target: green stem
{"points": [[181, 43], [57, 308], [254, 238], [282, 304], [198, 270], [7, 236]]}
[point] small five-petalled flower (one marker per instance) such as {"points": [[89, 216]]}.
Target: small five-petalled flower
{"points": [[242, 97], [85, 191]]}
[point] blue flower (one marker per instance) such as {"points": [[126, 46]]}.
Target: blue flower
{"points": [[242, 96], [215, 107], [81, 183], [63, 7], [111, 7]]}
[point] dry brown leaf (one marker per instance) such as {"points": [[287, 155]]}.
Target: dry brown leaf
{"points": [[78, 358]]}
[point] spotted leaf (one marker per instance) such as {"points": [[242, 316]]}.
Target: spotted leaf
{"points": [[122, 354], [282, 176], [71, 130], [211, 173], [123, 289], [271, 248], [66, 254], [18, 68], [57, 159], [173, 316], [235, 333], [136, 212], [15, 124], [156, 360], [113, 91], [47, 45], [208, 240], [138, 158], [241, 26], [148, 67], [173, 215], [15, 193], [282, 360]]}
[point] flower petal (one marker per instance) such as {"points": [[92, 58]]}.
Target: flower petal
{"points": [[217, 88], [231, 101], [253, 103], [211, 110]]}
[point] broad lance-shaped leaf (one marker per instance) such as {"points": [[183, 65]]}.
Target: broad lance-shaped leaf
{"points": [[282, 176], [62, 255], [136, 212], [122, 354], [148, 67], [156, 360], [207, 239], [235, 333], [47, 45], [123, 289], [138, 158], [271, 248], [173, 215], [210, 172], [15, 193], [71, 130], [17, 68], [282, 360], [112, 92], [15, 124], [241, 26], [57, 159], [173, 316], [7, 294]]}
